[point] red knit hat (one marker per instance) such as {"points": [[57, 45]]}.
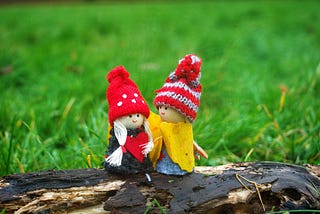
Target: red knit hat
{"points": [[123, 95], [182, 89]]}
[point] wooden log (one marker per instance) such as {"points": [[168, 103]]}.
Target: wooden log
{"points": [[233, 188]]}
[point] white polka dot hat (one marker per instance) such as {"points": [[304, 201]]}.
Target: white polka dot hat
{"points": [[123, 95]]}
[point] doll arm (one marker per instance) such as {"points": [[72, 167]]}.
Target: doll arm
{"points": [[199, 150]]}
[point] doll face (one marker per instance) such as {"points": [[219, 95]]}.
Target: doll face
{"points": [[170, 115], [132, 121]]}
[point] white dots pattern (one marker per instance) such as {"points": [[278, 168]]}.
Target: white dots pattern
{"points": [[134, 98]]}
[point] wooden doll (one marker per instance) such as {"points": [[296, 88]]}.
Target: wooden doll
{"points": [[177, 102], [130, 136]]}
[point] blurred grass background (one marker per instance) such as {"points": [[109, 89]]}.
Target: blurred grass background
{"points": [[260, 76]]}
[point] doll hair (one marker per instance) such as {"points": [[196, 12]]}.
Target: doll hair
{"points": [[120, 132], [149, 145]]}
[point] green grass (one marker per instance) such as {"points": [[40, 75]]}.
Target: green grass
{"points": [[54, 59]]}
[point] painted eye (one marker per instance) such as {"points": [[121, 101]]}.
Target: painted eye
{"points": [[165, 108], [138, 115], [130, 115]]}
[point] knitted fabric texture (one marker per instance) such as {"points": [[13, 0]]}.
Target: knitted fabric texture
{"points": [[123, 96], [129, 163], [182, 88]]}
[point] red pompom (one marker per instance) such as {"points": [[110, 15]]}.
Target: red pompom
{"points": [[117, 72], [189, 68]]}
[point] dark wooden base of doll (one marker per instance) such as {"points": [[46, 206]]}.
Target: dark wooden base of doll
{"points": [[232, 188], [129, 165]]}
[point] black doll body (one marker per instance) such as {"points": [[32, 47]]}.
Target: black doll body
{"points": [[129, 163]]}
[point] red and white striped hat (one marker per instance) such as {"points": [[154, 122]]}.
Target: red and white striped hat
{"points": [[182, 89]]}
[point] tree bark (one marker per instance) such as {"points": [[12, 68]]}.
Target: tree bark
{"points": [[233, 188]]}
